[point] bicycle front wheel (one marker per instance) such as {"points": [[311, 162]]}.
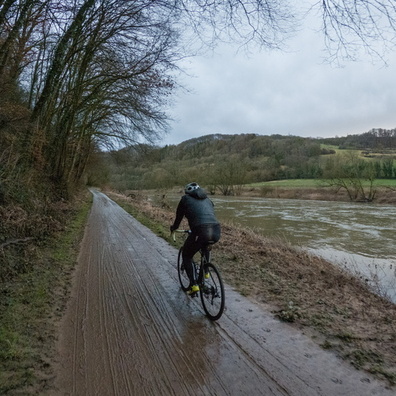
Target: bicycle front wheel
{"points": [[183, 277], [212, 293]]}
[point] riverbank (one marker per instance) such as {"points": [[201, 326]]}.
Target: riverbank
{"points": [[289, 190], [384, 196], [337, 310]]}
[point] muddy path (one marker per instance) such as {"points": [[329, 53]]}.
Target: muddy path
{"points": [[130, 330]]}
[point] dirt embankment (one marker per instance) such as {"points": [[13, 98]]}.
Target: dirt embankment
{"points": [[336, 309]]}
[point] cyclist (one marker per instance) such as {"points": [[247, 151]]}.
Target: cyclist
{"points": [[199, 212]]}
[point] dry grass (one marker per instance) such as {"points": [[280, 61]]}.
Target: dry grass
{"points": [[36, 263], [324, 301], [23, 230], [385, 196]]}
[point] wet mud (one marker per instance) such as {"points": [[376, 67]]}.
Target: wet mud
{"points": [[130, 330]]}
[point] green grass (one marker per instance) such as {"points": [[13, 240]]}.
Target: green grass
{"points": [[360, 152], [27, 303], [386, 183]]}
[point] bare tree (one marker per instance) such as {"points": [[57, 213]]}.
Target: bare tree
{"points": [[106, 81], [102, 70], [263, 23], [349, 25], [228, 176], [353, 175]]}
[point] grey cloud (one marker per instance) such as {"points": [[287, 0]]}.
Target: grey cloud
{"points": [[284, 92]]}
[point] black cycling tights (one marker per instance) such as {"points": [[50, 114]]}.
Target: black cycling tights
{"points": [[199, 238]]}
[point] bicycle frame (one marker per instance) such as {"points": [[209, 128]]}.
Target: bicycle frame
{"points": [[207, 276], [205, 256]]}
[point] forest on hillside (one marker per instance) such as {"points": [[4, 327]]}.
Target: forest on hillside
{"points": [[228, 161]]}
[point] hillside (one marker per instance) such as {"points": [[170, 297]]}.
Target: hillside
{"points": [[224, 162]]}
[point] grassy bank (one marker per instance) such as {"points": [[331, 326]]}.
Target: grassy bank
{"points": [[317, 183], [32, 302], [318, 190], [336, 309]]}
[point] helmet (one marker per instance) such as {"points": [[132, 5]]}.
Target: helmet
{"points": [[190, 187]]}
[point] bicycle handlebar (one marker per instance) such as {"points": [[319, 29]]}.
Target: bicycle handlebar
{"points": [[174, 236]]}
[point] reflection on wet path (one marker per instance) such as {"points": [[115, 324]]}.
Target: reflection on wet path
{"points": [[358, 236]]}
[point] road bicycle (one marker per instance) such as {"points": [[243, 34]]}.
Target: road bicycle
{"points": [[208, 278]]}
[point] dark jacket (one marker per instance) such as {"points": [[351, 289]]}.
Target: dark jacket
{"points": [[197, 208]]}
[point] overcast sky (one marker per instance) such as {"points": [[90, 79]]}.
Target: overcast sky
{"points": [[289, 93]]}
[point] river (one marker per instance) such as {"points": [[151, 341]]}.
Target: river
{"points": [[356, 236]]}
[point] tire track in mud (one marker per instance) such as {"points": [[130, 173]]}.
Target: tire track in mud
{"points": [[130, 330], [153, 308]]}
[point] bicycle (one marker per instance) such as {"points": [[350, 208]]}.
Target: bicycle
{"points": [[211, 288]]}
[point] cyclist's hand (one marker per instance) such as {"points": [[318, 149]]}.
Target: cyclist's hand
{"points": [[172, 230]]}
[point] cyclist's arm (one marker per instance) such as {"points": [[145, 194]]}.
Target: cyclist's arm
{"points": [[180, 211]]}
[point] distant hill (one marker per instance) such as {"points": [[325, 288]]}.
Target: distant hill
{"points": [[242, 158]]}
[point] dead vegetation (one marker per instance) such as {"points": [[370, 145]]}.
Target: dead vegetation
{"points": [[38, 250], [335, 308], [23, 230], [384, 195]]}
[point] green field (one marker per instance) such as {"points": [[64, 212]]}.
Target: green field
{"points": [[368, 155]]}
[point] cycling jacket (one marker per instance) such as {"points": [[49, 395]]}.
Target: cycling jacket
{"points": [[197, 208]]}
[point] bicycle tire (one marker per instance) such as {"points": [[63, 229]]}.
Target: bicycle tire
{"points": [[183, 277], [212, 293]]}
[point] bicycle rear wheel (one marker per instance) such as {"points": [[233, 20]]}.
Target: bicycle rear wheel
{"points": [[183, 277], [212, 293]]}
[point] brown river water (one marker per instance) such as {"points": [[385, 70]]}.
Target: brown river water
{"points": [[356, 236]]}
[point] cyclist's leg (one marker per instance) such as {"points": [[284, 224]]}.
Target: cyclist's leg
{"points": [[189, 249], [199, 238]]}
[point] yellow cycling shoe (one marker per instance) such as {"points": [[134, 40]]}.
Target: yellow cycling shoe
{"points": [[193, 289], [207, 275]]}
